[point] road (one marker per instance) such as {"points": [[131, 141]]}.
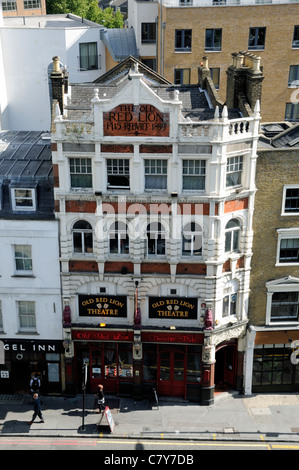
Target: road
{"points": [[154, 452]]}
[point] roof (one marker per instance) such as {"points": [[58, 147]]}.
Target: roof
{"points": [[279, 135], [25, 155], [195, 103], [67, 20], [120, 42]]}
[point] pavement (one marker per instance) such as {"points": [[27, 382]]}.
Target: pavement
{"points": [[259, 417]]}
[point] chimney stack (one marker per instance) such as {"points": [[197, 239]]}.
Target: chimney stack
{"points": [[59, 79], [244, 81]]}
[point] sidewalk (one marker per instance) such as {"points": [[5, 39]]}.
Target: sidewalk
{"points": [[272, 417]]}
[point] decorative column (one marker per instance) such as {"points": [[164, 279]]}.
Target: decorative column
{"points": [[208, 371]]}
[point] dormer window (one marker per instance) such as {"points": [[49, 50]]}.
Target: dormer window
{"points": [[23, 199]]}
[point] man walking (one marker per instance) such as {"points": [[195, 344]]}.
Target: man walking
{"points": [[37, 409]]}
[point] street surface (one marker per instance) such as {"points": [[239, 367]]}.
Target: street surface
{"points": [[154, 452]]}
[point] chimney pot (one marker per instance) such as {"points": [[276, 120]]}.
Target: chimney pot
{"points": [[56, 66]]}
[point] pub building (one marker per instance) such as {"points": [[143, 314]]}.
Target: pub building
{"points": [[154, 193]]}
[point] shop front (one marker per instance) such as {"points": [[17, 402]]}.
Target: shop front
{"points": [[24, 359]]}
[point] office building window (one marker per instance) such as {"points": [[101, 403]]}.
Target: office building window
{"points": [[183, 38], [295, 43], [213, 39], [257, 38], [148, 33], [182, 76]]}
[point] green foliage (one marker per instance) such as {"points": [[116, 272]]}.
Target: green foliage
{"points": [[87, 9]]}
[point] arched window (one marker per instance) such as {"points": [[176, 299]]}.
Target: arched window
{"points": [[192, 240], [118, 238], [82, 237], [232, 235], [155, 239]]}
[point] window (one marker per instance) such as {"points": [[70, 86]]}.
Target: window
{"points": [[118, 173], [23, 199], [296, 37], [9, 6], [192, 240], [285, 306], [230, 299], [150, 62], [213, 39], [290, 201], [155, 239], [289, 250], [148, 33], [155, 174], [272, 366], [183, 40], [234, 169], [257, 38], [292, 112], [118, 238], [23, 258], [215, 76], [194, 175], [82, 237], [184, 3], [31, 4], [182, 76], [232, 235], [88, 56], [26, 311], [80, 170], [293, 76]]}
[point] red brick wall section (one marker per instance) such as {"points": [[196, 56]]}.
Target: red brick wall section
{"points": [[236, 205], [83, 266], [81, 206]]}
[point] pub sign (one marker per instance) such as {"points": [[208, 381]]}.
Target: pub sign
{"points": [[136, 120], [173, 308], [102, 306]]}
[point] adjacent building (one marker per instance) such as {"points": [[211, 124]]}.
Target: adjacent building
{"points": [[154, 193], [173, 34], [273, 335], [30, 294]]}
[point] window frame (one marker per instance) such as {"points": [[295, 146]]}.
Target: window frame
{"points": [[29, 316], [287, 284], [180, 44], [83, 232], [291, 110], [159, 234], [213, 46], [148, 33], [182, 76], [288, 234], [88, 57], [77, 162], [295, 41], [294, 82], [25, 259], [162, 176], [117, 228], [234, 166], [255, 36], [125, 174], [235, 236], [286, 188], [186, 165], [14, 198], [194, 236]]}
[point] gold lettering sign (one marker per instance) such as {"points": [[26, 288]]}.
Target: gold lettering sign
{"points": [[173, 308], [139, 120]]}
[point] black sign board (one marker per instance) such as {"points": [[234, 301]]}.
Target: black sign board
{"points": [[173, 308], [102, 306], [41, 346]]}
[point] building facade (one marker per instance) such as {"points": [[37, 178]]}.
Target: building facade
{"points": [[30, 294], [273, 335], [154, 192], [23, 8], [173, 34]]}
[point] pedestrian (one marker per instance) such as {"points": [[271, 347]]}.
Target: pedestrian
{"points": [[35, 385], [101, 398], [37, 409]]}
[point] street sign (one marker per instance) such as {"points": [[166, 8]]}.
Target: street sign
{"points": [[109, 418]]}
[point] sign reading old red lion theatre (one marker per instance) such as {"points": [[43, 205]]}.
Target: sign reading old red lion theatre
{"points": [[139, 120]]}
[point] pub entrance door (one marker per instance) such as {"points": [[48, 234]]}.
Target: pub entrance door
{"points": [[171, 373], [226, 365]]}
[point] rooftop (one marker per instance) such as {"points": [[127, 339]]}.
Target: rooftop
{"points": [[49, 21]]}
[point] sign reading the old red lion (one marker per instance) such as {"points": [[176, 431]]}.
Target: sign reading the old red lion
{"points": [[140, 120], [102, 306], [173, 308]]}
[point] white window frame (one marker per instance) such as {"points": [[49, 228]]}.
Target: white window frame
{"points": [[230, 293], [30, 316], [114, 170], [119, 233], [151, 168], [24, 258], [286, 234], [234, 166], [14, 198], [192, 238], [283, 211], [288, 284]]}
